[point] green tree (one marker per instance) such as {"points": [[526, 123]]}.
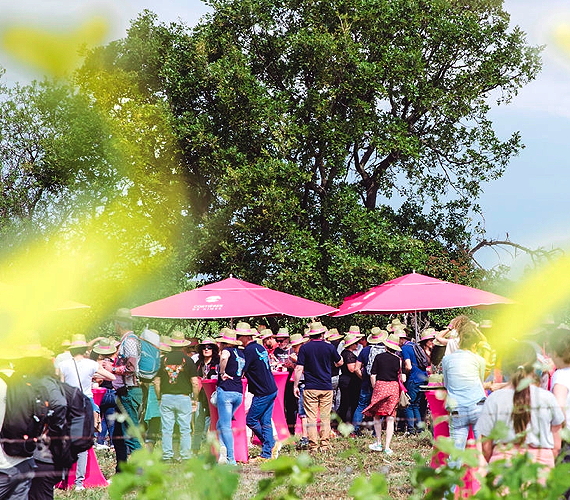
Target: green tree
{"points": [[297, 122]]}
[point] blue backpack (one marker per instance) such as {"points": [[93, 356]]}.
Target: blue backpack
{"points": [[149, 362]]}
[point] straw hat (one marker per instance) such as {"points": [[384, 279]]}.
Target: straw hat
{"points": [[352, 338], [177, 339], [297, 339], [283, 332], [427, 334], [243, 328], [400, 332], [105, 346], [317, 328], [353, 329], [30, 348], [392, 342], [395, 324], [78, 340], [265, 334], [163, 346], [332, 335], [229, 336], [208, 341], [377, 335]]}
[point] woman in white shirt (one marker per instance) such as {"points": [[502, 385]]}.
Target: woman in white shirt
{"points": [[531, 416]]}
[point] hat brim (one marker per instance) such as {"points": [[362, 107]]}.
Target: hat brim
{"points": [[391, 345], [110, 350], [174, 343]]}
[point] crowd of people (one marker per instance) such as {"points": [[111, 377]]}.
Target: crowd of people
{"points": [[352, 378]]}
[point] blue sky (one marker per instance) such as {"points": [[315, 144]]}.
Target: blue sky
{"points": [[530, 203]]}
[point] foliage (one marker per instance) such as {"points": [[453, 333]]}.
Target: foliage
{"points": [[297, 123]]}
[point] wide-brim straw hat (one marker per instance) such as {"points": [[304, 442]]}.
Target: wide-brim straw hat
{"points": [[177, 339], [297, 339], [30, 347], [244, 329], [377, 335], [283, 333], [229, 336], [105, 346], [163, 346], [392, 342], [208, 341], [265, 334], [400, 332], [316, 328], [352, 338], [78, 340], [353, 329], [333, 335], [427, 334]]}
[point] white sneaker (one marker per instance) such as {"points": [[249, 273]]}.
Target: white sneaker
{"points": [[276, 449], [79, 488], [223, 458], [101, 446], [375, 446], [388, 451]]}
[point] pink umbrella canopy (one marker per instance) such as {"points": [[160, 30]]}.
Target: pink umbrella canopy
{"points": [[416, 292], [231, 298]]}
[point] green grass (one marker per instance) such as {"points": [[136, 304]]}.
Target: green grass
{"points": [[347, 459]]}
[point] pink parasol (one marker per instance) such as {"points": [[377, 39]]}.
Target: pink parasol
{"points": [[232, 298], [416, 292]]}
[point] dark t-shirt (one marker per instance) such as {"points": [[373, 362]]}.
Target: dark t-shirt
{"points": [[386, 367], [175, 373], [260, 380], [346, 376], [317, 357], [363, 358], [234, 368]]}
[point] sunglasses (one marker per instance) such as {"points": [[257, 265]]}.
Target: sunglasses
{"points": [[207, 348]]}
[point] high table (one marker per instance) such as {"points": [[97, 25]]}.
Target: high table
{"points": [[93, 476], [435, 396], [239, 428]]}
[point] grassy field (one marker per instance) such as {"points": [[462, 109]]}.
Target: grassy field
{"points": [[348, 458]]}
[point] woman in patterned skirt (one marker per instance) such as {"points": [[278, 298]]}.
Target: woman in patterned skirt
{"points": [[384, 376]]}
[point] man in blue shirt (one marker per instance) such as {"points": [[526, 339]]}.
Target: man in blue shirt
{"points": [[262, 385], [415, 377], [315, 360]]}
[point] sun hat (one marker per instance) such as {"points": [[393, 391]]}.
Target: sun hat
{"points": [[297, 339], [78, 340], [208, 341], [66, 343], [316, 328], [352, 338], [105, 346], [427, 334], [377, 335], [333, 335], [163, 346], [177, 339], [228, 336], [283, 332], [265, 334], [394, 324], [400, 332], [243, 328], [123, 317], [392, 342], [30, 348], [353, 329]]}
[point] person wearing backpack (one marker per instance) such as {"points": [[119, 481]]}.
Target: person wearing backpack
{"points": [[79, 372], [127, 386], [177, 388], [416, 376]]}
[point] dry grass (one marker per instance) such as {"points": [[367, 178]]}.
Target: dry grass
{"points": [[347, 459]]}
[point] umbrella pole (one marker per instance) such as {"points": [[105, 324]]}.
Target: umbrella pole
{"points": [[416, 324]]}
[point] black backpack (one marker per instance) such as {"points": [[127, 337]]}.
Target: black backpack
{"points": [[26, 417], [80, 424]]}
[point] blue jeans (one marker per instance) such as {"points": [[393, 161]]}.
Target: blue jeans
{"points": [[228, 402], [259, 421], [460, 420], [175, 408], [412, 411], [363, 401]]}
